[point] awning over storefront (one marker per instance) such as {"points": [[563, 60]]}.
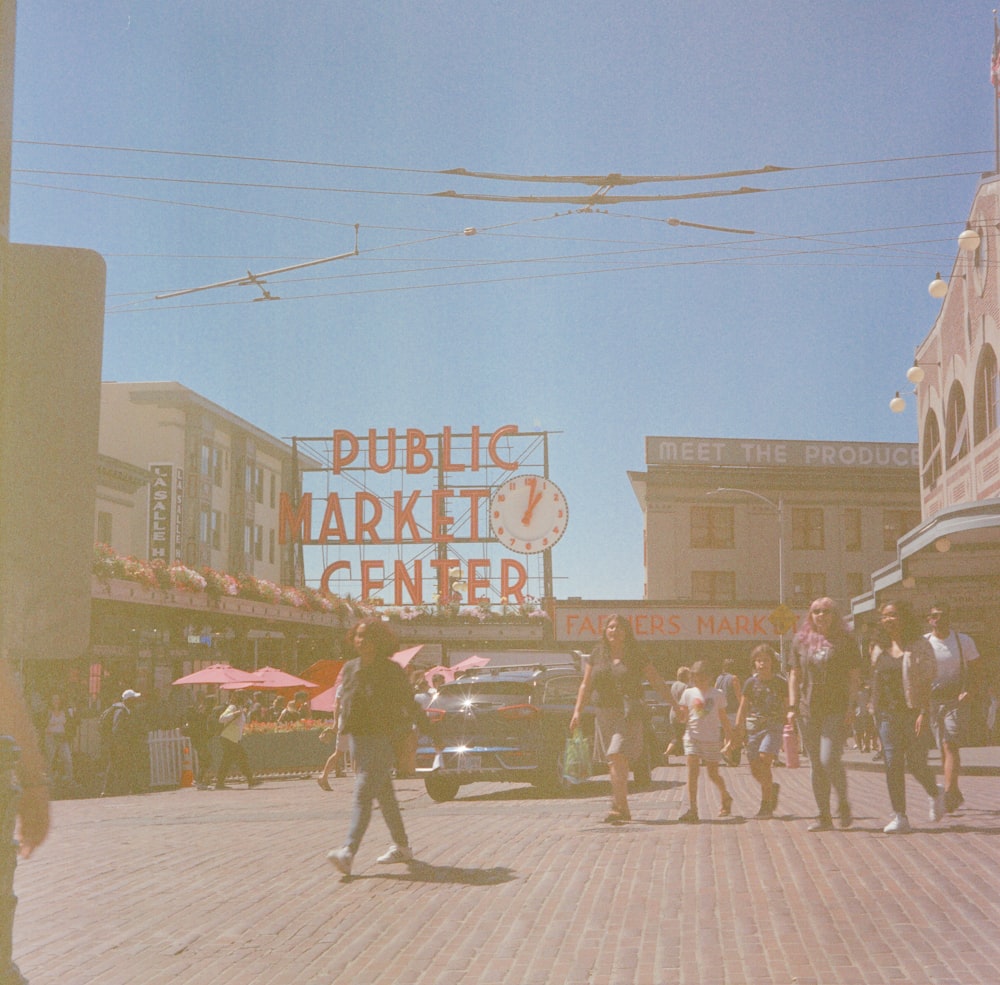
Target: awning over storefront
{"points": [[954, 556]]}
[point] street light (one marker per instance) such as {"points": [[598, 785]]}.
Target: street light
{"points": [[779, 509]]}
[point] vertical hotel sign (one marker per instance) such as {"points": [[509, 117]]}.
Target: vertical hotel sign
{"points": [[166, 491]]}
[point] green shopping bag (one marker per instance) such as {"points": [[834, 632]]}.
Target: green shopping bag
{"points": [[577, 763]]}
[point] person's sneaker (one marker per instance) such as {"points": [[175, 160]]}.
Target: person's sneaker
{"points": [[953, 799], [398, 853], [899, 825], [937, 810], [821, 824], [690, 816], [342, 859]]}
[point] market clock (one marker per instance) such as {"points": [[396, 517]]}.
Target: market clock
{"points": [[528, 514]]}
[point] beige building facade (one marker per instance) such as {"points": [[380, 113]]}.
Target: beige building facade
{"points": [[183, 479], [740, 535]]}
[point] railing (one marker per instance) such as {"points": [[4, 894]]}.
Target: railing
{"points": [[166, 757]]}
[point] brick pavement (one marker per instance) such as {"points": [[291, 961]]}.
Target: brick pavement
{"points": [[512, 888]]}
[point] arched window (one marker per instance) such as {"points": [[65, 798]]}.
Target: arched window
{"points": [[956, 426], [986, 398], [931, 467]]}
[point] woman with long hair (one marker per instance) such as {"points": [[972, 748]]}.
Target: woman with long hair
{"points": [[376, 698], [614, 673], [903, 668], [823, 678]]}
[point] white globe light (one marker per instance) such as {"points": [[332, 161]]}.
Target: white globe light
{"points": [[915, 374], [897, 405], [969, 241], [937, 287]]}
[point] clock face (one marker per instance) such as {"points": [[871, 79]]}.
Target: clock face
{"points": [[528, 514]]}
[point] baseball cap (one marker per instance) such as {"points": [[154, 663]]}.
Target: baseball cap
{"points": [[130, 694]]}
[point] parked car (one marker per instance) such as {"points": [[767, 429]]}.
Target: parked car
{"points": [[501, 724], [506, 724]]}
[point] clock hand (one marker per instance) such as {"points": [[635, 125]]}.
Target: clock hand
{"points": [[533, 500]]}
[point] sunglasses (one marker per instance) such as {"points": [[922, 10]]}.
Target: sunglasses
{"points": [[820, 612]]}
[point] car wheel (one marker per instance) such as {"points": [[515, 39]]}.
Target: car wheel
{"points": [[441, 788]]}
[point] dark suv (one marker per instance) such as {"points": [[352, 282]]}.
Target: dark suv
{"points": [[502, 724]]}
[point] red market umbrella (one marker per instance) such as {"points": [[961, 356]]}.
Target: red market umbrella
{"points": [[218, 674], [268, 679]]}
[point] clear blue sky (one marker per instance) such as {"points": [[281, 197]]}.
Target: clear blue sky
{"points": [[606, 326]]}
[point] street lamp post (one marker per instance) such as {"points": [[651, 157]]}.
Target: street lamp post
{"points": [[779, 509]]}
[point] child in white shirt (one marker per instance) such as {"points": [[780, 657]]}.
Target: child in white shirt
{"points": [[704, 710]]}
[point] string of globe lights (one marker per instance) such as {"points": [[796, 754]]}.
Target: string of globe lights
{"points": [[968, 242]]}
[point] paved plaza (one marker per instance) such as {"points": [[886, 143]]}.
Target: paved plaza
{"points": [[514, 888]]}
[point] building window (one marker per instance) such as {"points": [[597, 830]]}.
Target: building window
{"points": [[274, 490], [206, 459], [205, 525], [895, 523], [248, 538], [258, 543], [852, 530], [103, 527], [713, 586], [809, 585], [986, 396], [807, 529], [956, 426], [270, 546], [217, 459], [258, 484], [931, 467], [712, 526], [216, 529]]}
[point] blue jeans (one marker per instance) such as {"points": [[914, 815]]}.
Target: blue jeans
{"points": [[374, 760], [904, 751], [824, 741]]}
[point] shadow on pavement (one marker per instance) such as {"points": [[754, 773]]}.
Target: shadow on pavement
{"points": [[424, 872]]}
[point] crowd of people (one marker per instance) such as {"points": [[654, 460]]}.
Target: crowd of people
{"points": [[905, 688]]}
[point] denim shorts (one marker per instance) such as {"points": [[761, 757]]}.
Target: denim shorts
{"points": [[766, 740], [951, 722]]}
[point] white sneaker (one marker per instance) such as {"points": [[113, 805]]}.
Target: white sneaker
{"points": [[899, 825], [937, 810], [342, 859], [398, 853]]}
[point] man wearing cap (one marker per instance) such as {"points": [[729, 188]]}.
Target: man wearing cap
{"points": [[125, 746]]}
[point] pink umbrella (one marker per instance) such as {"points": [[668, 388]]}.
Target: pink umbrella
{"points": [[403, 657], [324, 700], [217, 674], [471, 663], [447, 673], [268, 679]]}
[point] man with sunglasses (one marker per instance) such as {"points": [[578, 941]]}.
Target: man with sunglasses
{"points": [[958, 679]]}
